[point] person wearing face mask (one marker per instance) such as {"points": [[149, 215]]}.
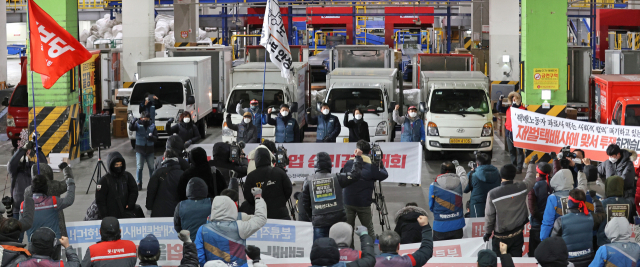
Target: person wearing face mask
{"points": [[358, 128], [185, 128], [619, 164], [150, 104], [287, 129], [328, 125], [257, 118], [146, 136], [412, 126], [116, 191], [247, 132], [19, 168], [517, 154]]}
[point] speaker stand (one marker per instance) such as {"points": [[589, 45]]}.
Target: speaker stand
{"points": [[97, 171]]}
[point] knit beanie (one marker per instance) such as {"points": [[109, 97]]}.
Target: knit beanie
{"points": [[591, 172], [508, 172]]}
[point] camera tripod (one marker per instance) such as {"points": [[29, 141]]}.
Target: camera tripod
{"points": [[97, 171], [381, 206]]}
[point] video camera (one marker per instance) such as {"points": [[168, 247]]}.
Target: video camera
{"points": [[376, 154], [282, 159], [565, 152], [235, 151]]}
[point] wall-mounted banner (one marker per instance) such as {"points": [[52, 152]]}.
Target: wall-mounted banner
{"points": [[544, 133], [403, 161]]}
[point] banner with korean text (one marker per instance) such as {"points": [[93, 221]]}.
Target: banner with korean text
{"points": [[277, 239], [403, 161], [433, 262], [544, 133]]}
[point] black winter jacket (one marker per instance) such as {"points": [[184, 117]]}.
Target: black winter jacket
{"points": [[221, 154], [276, 186], [407, 225], [162, 196], [21, 175], [174, 143], [623, 168], [325, 252], [358, 129], [200, 168], [250, 130], [360, 193], [188, 132], [116, 191]]}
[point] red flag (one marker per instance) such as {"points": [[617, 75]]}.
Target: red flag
{"points": [[54, 51]]}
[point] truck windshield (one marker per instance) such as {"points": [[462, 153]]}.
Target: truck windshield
{"points": [[632, 115], [19, 98], [369, 100], [459, 101], [271, 98], [167, 92]]}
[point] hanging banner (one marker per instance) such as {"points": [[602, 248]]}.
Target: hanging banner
{"points": [[274, 39], [544, 133], [433, 262], [403, 161]]}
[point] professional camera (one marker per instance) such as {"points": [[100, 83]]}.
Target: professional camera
{"points": [[282, 159], [376, 155], [7, 201], [235, 151], [565, 152]]}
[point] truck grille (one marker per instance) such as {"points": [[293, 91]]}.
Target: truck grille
{"points": [[460, 145]]}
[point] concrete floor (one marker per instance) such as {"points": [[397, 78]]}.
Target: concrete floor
{"points": [[396, 196]]}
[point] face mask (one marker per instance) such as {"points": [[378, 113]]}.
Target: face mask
{"points": [[412, 114], [254, 108], [284, 113], [247, 120], [117, 169], [358, 116], [613, 160], [186, 120], [325, 111], [146, 123], [577, 161], [517, 102]]}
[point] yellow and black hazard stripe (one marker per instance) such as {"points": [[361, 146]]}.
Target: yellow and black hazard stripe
{"points": [[467, 43], [128, 84], [215, 40], [53, 127], [183, 44], [515, 83], [555, 111]]}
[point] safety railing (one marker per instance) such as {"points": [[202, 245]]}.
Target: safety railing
{"points": [[233, 42], [82, 4], [324, 35]]}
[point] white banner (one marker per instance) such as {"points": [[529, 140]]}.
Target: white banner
{"points": [[544, 133], [433, 262], [277, 239], [403, 161], [274, 39]]}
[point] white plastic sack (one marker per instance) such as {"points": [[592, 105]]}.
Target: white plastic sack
{"points": [[163, 17], [90, 41], [201, 34], [171, 25], [159, 37], [162, 28], [116, 29], [118, 36], [108, 35], [84, 35], [169, 40]]}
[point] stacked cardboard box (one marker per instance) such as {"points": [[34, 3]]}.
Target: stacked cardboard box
{"points": [[120, 128]]}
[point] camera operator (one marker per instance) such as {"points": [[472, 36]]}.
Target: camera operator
{"points": [[162, 196], [482, 178], [571, 162], [19, 168], [222, 160], [619, 164], [322, 193], [357, 197], [274, 182], [150, 105], [448, 220], [247, 132], [174, 143]]}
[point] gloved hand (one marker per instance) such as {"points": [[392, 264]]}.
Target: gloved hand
{"points": [[534, 159], [187, 144], [241, 101], [62, 165], [486, 237], [257, 192], [346, 111], [29, 145], [455, 163], [185, 236], [252, 252], [171, 120], [308, 110], [361, 230]]}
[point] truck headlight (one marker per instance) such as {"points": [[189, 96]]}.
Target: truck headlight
{"points": [[381, 129], [226, 131], [10, 121], [432, 129], [487, 129]]}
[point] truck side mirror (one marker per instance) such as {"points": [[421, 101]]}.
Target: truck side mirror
{"points": [[318, 106], [221, 105], [125, 101], [191, 100], [423, 107], [294, 107], [5, 102], [392, 106]]}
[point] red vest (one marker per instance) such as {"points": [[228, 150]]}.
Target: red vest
{"points": [[112, 250]]}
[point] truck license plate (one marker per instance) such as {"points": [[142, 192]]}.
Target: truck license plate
{"points": [[160, 128], [460, 140]]}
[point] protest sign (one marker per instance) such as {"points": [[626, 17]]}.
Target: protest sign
{"points": [[403, 161]]}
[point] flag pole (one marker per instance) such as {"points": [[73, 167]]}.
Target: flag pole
{"points": [[33, 97]]}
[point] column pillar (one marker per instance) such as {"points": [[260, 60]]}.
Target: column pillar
{"points": [[504, 40], [186, 22], [138, 40]]}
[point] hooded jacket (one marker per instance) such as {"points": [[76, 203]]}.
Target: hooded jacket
{"points": [[481, 181], [200, 168], [562, 183], [115, 191], [247, 133], [251, 157], [176, 144], [54, 188], [221, 154], [615, 192], [162, 196], [276, 186], [13, 251], [342, 234], [188, 132], [325, 252], [445, 200], [192, 213], [623, 168], [537, 199], [224, 214], [359, 194], [407, 225], [622, 251], [20, 172], [358, 129], [552, 252]]}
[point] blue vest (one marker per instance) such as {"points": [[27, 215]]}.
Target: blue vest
{"points": [[257, 121], [393, 260], [326, 127], [622, 253], [577, 232], [142, 134], [447, 204], [411, 130], [46, 214], [224, 237], [284, 133], [193, 214], [40, 262]]}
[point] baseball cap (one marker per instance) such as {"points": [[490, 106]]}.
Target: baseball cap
{"points": [[412, 107], [149, 246]]}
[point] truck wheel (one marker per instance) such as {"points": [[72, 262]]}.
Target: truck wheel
{"points": [[428, 155], [133, 143], [202, 128]]}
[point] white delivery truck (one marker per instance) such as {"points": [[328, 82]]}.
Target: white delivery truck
{"points": [[457, 112], [180, 83], [247, 84], [372, 90]]}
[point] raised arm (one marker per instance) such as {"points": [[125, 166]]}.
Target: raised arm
{"points": [[425, 252], [70, 197], [398, 119]]}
